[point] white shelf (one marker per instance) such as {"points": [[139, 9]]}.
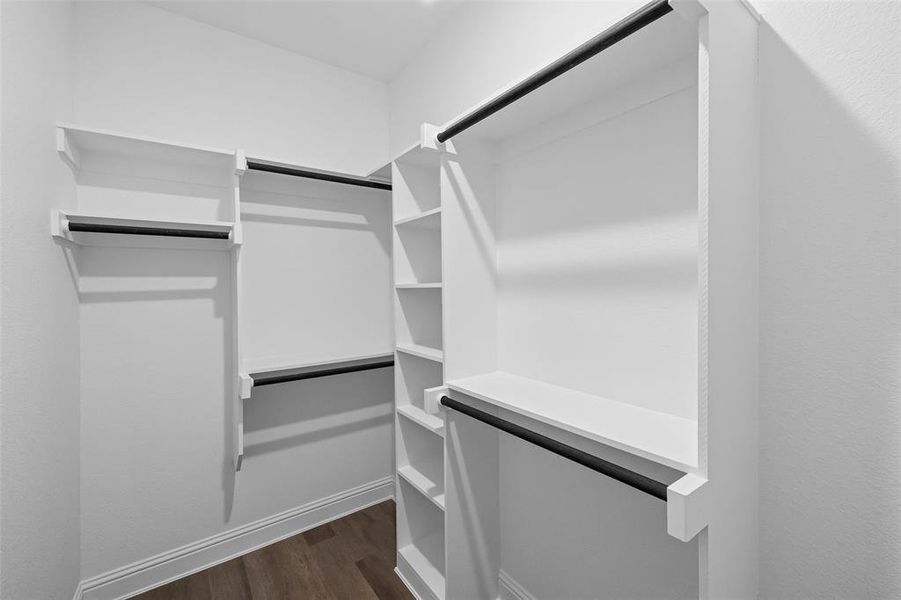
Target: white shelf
{"points": [[73, 141], [659, 437], [266, 375], [430, 422], [61, 220], [422, 352], [429, 219], [417, 562], [422, 484], [418, 286]]}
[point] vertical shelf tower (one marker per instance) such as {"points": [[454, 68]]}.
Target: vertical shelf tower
{"points": [[419, 371], [589, 238]]}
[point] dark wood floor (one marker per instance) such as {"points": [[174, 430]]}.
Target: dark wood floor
{"points": [[351, 558]]}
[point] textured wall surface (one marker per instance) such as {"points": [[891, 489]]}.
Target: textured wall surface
{"points": [[830, 405], [39, 506]]}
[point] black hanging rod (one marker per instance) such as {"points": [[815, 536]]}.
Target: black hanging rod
{"points": [[320, 175], [637, 480], [618, 32], [323, 370], [142, 230]]}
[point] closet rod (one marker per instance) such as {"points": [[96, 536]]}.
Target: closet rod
{"points": [[141, 230], [637, 480], [618, 32], [311, 372], [320, 175]]}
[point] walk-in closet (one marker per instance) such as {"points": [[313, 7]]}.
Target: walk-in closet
{"points": [[448, 300]]}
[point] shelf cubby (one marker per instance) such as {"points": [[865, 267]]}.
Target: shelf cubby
{"points": [[420, 543], [430, 422], [412, 375]]}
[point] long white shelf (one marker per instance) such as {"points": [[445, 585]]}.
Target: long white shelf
{"points": [[422, 484], [419, 563], [74, 140], [422, 351], [116, 231], [420, 417], [656, 436], [429, 219]]}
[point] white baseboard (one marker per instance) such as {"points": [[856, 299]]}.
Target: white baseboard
{"points": [[510, 589], [157, 570]]}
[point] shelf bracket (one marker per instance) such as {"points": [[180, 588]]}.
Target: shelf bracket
{"points": [[687, 501], [66, 151], [428, 137], [432, 399]]}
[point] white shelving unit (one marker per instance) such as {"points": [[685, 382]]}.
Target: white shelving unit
{"points": [[419, 425], [593, 237], [141, 192], [336, 228]]}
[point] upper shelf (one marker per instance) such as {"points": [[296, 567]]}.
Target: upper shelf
{"points": [[95, 230], [658, 437], [74, 142]]}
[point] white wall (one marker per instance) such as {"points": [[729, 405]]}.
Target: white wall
{"points": [[484, 49], [139, 67], [830, 401], [39, 434], [156, 330]]}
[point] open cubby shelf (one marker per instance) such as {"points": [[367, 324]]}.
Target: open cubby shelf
{"points": [[432, 490], [426, 352], [429, 219], [418, 286], [428, 421], [417, 558]]}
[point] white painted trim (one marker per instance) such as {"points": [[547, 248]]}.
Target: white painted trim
{"points": [[406, 583], [152, 572], [510, 589]]}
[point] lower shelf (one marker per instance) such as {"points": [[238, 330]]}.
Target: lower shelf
{"points": [[414, 560], [117, 232], [659, 437]]}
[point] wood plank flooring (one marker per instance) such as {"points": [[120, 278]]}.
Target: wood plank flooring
{"points": [[351, 558]]}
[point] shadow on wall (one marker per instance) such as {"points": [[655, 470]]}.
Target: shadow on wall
{"points": [[830, 461], [295, 414]]}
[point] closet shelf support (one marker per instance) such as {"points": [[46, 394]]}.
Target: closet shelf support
{"points": [[618, 32]]}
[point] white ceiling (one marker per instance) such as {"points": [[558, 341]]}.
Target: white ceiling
{"points": [[375, 38]]}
